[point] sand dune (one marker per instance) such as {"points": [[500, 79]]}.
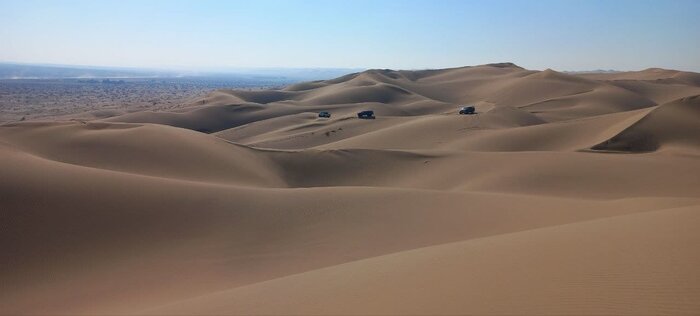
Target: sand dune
{"points": [[153, 150], [564, 194], [671, 124]]}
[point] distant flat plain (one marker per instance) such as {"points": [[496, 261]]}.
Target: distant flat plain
{"points": [[30, 99]]}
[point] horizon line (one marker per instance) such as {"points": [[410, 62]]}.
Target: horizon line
{"points": [[229, 68]]}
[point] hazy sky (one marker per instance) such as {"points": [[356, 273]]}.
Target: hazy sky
{"points": [[564, 35]]}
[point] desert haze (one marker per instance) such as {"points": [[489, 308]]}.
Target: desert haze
{"points": [[564, 193]]}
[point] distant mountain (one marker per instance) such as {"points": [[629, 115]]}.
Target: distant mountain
{"points": [[597, 71], [47, 71], [36, 71]]}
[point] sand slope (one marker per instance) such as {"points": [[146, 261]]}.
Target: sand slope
{"points": [[565, 194], [551, 270]]}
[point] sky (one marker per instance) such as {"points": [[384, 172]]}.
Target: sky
{"points": [[408, 34]]}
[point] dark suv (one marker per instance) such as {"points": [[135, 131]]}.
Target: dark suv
{"points": [[324, 114], [467, 110], [365, 114]]}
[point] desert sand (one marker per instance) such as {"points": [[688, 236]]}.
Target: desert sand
{"points": [[564, 194]]}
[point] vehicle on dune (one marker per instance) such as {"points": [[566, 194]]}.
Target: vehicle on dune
{"points": [[467, 110], [365, 114], [324, 114]]}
